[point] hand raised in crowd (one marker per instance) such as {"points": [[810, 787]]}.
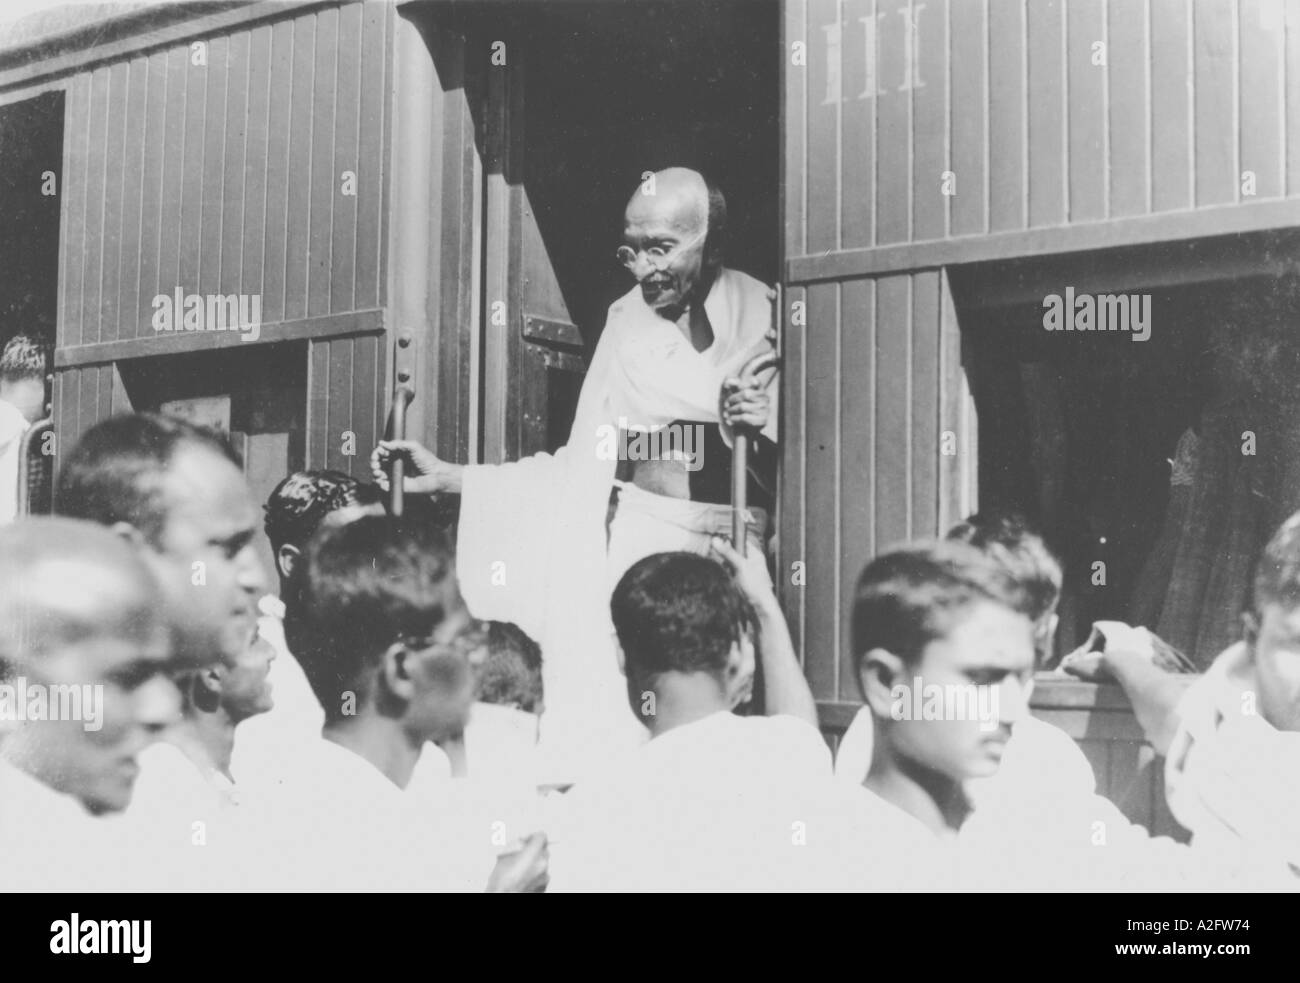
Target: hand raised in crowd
{"points": [[427, 473], [526, 871], [749, 571]]}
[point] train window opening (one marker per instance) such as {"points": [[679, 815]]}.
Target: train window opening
{"points": [[31, 169], [256, 394], [1157, 447]]}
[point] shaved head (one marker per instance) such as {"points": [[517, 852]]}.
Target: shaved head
{"points": [[63, 581], [80, 626], [680, 198], [676, 214]]}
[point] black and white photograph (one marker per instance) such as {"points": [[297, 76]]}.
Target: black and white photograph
{"points": [[651, 446]]}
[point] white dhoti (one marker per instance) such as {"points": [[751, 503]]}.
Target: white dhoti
{"points": [[532, 545]]}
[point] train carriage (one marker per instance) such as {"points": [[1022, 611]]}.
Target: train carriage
{"points": [[428, 193]]}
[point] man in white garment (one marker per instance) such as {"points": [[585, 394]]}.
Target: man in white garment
{"points": [[653, 424], [381, 630], [715, 801], [83, 690], [177, 493], [1230, 775], [23, 365]]}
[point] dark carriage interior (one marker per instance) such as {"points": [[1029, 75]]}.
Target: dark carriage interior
{"points": [[31, 165], [1083, 430]]}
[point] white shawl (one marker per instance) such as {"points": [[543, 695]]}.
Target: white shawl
{"points": [[531, 537]]}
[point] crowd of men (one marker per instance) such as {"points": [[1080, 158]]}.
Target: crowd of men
{"points": [[546, 675]]}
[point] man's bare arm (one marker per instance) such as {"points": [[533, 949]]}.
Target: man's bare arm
{"points": [[431, 475], [1153, 692], [785, 690]]}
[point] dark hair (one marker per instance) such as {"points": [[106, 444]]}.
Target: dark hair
{"points": [[361, 587], [1008, 538], [1277, 571], [678, 612], [907, 598], [512, 672], [24, 357], [296, 506], [116, 471]]}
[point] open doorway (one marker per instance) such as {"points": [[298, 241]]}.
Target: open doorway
{"points": [[1158, 467], [594, 95], [31, 169]]}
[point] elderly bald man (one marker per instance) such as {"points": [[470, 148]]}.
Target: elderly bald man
{"points": [[653, 426], [84, 688]]}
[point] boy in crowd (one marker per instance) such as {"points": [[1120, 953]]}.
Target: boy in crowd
{"points": [[379, 630], [714, 801], [24, 363], [79, 630], [293, 511]]}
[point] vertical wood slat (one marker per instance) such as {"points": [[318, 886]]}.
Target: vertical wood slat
{"points": [[1006, 113], [1291, 69], [153, 142], [339, 416], [279, 170], [1129, 107], [72, 183], [1088, 115], [1044, 49], [795, 93], [214, 170], [318, 403], [259, 163], [1260, 102], [238, 123], [923, 432], [893, 124], [930, 121], [893, 411], [114, 149], [825, 100], [344, 383], [968, 77], [324, 180], [199, 78], [300, 178], [127, 282], [344, 232], [93, 248], [857, 129], [857, 469], [791, 510], [370, 177], [1171, 105], [821, 545], [1215, 30], [173, 166]]}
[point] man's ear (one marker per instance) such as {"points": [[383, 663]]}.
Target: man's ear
{"points": [[285, 558], [740, 671], [879, 672], [205, 687], [622, 658], [395, 668]]}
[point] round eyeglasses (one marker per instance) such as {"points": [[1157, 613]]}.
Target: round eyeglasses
{"points": [[657, 256]]}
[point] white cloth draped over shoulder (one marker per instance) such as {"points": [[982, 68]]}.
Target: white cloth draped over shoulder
{"points": [[532, 538]]}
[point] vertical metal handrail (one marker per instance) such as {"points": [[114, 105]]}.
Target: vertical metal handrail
{"points": [[403, 393], [24, 463], [741, 435]]}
